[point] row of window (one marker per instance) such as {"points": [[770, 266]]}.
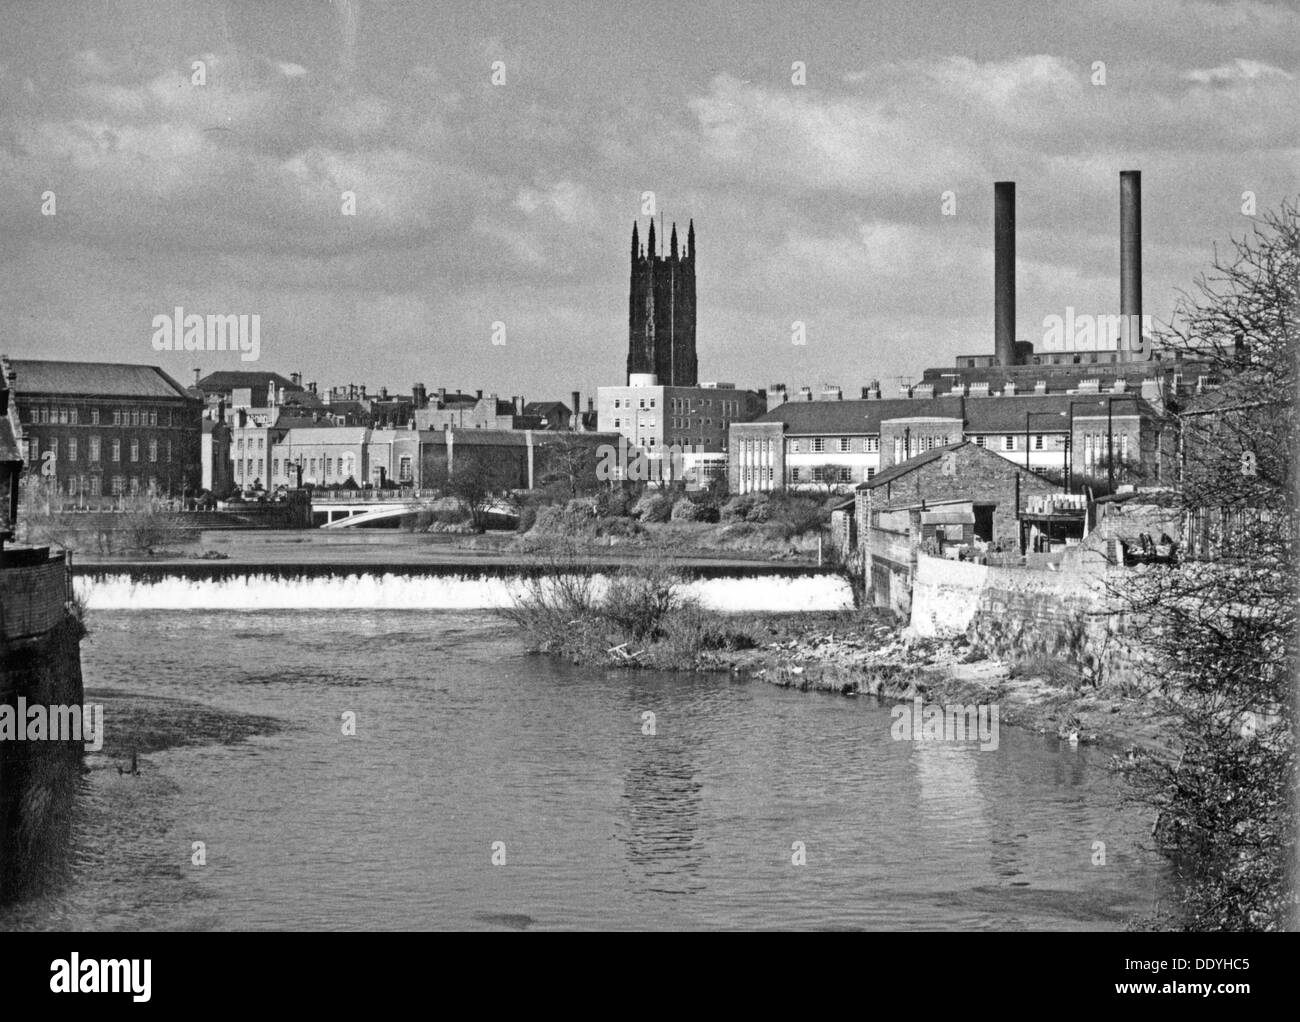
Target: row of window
{"points": [[70, 449], [70, 416], [93, 485], [843, 444]]}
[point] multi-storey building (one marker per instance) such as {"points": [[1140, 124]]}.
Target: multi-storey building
{"points": [[101, 428], [1075, 435], [693, 420]]}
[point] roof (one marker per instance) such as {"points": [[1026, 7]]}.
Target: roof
{"points": [[318, 434], [98, 379], [230, 379], [859, 415], [911, 464], [1048, 413], [547, 409]]}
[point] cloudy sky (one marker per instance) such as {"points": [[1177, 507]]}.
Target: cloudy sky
{"points": [[479, 203]]}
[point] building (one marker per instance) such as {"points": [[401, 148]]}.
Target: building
{"points": [[325, 455], [959, 498], [695, 420], [1074, 436], [106, 428], [661, 311], [11, 453]]}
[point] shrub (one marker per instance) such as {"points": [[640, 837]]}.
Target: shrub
{"points": [[638, 600], [584, 506], [652, 507], [759, 512], [687, 511], [527, 518], [737, 509]]}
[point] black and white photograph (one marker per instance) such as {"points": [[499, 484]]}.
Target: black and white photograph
{"points": [[649, 466]]}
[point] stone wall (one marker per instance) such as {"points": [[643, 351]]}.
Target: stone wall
{"points": [[39, 779], [1074, 613], [32, 592]]}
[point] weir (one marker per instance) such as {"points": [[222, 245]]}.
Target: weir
{"points": [[403, 587]]}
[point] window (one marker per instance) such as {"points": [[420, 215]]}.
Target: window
{"points": [[72, 416], [153, 450], [312, 468], [261, 443], [794, 475], [794, 446], [135, 421], [117, 455], [45, 415], [818, 444], [329, 467], [239, 446], [980, 441], [617, 403], [652, 402], [135, 450], [617, 423], [844, 475], [117, 417], [1009, 442], [94, 448], [72, 449], [871, 472], [261, 469], [873, 445], [153, 418], [119, 486], [844, 445], [169, 450], [898, 448], [1038, 442], [95, 485], [1123, 447], [404, 469], [94, 416], [135, 485], [275, 466], [643, 402]]}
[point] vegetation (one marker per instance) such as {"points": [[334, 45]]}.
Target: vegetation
{"points": [[1223, 629]]}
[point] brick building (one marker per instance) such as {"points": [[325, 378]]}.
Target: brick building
{"points": [[963, 495], [106, 428]]}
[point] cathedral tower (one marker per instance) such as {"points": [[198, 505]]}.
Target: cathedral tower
{"points": [[661, 310]]}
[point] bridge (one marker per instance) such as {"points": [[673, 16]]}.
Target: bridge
{"points": [[347, 509]]}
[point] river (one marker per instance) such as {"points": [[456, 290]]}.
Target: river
{"points": [[489, 788]]}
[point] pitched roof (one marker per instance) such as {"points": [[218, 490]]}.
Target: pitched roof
{"points": [[99, 379], [857, 416], [229, 379], [911, 464]]}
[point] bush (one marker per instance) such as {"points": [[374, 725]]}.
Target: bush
{"points": [[652, 507], [759, 512], [613, 504], [527, 518], [639, 600], [687, 511], [585, 506], [737, 509]]}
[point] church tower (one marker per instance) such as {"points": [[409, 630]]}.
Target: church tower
{"points": [[661, 309]]}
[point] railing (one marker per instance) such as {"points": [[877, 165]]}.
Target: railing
{"points": [[319, 497]]}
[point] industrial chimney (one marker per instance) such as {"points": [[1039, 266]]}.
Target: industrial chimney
{"points": [[1130, 262], [1004, 272]]}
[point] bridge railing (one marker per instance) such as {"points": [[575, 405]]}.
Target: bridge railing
{"points": [[319, 497]]}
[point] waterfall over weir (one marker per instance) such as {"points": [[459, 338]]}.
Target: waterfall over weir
{"points": [[345, 587]]}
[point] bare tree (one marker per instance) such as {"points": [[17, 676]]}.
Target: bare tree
{"points": [[1222, 625]]}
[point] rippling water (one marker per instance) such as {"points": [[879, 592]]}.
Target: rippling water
{"points": [[463, 741]]}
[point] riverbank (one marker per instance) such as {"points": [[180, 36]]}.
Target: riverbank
{"points": [[866, 653]]}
